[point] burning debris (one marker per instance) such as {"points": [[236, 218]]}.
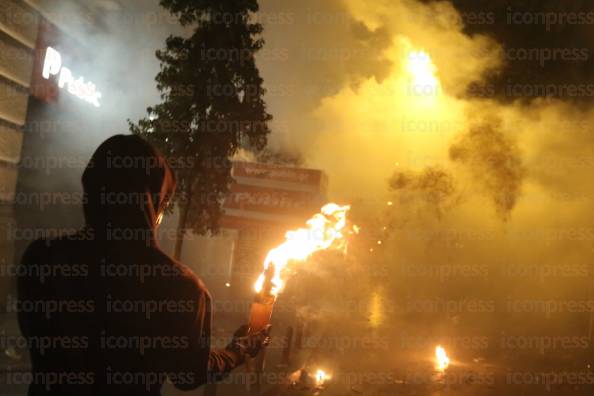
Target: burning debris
{"points": [[325, 230], [442, 361], [321, 377], [304, 379]]}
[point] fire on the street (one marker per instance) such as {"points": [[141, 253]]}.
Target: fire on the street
{"points": [[321, 377], [324, 230], [442, 361]]}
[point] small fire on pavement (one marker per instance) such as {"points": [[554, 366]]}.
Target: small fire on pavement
{"points": [[442, 361]]}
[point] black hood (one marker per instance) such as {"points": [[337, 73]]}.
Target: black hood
{"points": [[127, 184]]}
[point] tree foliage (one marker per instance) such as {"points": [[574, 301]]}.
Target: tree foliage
{"points": [[212, 102]]}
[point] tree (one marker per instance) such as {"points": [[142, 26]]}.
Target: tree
{"points": [[212, 104]]}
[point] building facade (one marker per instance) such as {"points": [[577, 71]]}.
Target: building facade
{"points": [[29, 30], [19, 23]]}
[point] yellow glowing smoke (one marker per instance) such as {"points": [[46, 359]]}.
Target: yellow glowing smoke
{"points": [[376, 317], [407, 117], [409, 112], [379, 121]]}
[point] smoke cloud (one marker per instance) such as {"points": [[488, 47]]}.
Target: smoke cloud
{"points": [[447, 166], [494, 163]]}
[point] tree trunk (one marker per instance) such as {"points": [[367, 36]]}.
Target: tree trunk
{"points": [[181, 229]]}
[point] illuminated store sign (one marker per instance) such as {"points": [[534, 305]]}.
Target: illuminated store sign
{"points": [[52, 66]]}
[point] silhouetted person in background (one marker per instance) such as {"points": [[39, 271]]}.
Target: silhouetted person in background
{"points": [[105, 311]]}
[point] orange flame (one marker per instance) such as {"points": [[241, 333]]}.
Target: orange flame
{"points": [[324, 231], [442, 361], [321, 377]]}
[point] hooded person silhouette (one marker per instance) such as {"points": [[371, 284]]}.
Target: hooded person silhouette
{"points": [[105, 311]]}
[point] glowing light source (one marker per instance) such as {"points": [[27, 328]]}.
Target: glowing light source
{"points": [[324, 230], [442, 361], [321, 377], [422, 70], [52, 66]]}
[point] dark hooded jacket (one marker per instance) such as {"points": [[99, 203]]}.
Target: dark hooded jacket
{"points": [[104, 311]]}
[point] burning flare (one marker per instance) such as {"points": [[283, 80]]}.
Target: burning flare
{"points": [[321, 377], [324, 231], [442, 361]]}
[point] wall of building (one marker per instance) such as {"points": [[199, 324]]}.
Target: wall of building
{"points": [[18, 34], [27, 128]]}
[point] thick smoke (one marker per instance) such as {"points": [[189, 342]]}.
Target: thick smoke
{"points": [[351, 112], [472, 196], [494, 163], [464, 194], [432, 189]]}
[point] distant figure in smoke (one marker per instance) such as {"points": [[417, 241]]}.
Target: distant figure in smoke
{"points": [[105, 311]]}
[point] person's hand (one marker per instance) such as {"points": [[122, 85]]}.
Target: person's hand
{"points": [[250, 344]]}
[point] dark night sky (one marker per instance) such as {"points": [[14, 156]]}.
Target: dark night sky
{"points": [[512, 36]]}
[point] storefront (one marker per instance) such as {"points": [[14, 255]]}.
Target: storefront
{"points": [[265, 201]]}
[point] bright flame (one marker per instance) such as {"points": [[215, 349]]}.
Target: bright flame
{"points": [[442, 361], [321, 377], [422, 70], [324, 230], [423, 88]]}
